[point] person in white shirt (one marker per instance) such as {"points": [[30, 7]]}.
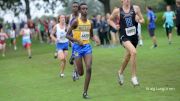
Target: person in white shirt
{"points": [[59, 30], [3, 37], [139, 34], [12, 36], [26, 39]]}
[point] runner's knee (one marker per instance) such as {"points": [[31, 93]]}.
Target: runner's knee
{"points": [[80, 73], [133, 52], [89, 70]]}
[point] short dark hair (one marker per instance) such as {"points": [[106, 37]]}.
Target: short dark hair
{"points": [[75, 2], [168, 5], [81, 5], [149, 7]]}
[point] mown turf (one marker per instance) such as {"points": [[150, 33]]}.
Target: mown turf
{"points": [[36, 79]]}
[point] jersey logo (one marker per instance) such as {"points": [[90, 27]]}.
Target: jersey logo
{"points": [[129, 21]]}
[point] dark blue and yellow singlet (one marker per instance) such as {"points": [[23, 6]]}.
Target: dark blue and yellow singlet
{"points": [[82, 33]]}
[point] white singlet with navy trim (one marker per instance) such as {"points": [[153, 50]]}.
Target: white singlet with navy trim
{"points": [[61, 34]]}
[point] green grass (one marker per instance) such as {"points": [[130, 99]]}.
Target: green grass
{"points": [[37, 79]]}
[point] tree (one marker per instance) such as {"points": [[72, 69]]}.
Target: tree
{"points": [[16, 6], [170, 2], [13, 5], [106, 4], [27, 9]]}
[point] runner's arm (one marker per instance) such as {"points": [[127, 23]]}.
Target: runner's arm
{"points": [[72, 27], [112, 17], [139, 14], [52, 34]]}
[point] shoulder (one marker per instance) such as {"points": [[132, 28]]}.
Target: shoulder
{"points": [[56, 25], [116, 10], [136, 8], [77, 20]]}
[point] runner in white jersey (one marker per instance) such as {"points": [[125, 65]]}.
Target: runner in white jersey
{"points": [[26, 39], [139, 34], [12, 36], [3, 37], [59, 30]]}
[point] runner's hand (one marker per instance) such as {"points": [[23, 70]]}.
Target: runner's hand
{"points": [[96, 40], [117, 27], [80, 42]]}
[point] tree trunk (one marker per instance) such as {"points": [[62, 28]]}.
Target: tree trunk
{"points": [[27, 9], [106, 4]]}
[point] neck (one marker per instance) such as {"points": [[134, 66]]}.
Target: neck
{"points": [[126, 6], [61, 24], [84, 18], [75, 13]]}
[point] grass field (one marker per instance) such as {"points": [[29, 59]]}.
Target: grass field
{"points": [[36, 79]]}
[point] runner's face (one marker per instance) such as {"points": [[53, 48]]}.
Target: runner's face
{"points": [[126, 2], [168, 8], [178, 3], [62, 18], [84, 10], [75, 7]]}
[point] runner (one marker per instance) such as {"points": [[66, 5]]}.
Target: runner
{"points": [[61, 42], [128, 35], [151, 25], [3, 37], [83, 31], [12, 35], [75, 14], [169, 17], [26, 39]]}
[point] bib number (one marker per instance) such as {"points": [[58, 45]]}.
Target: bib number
{"points": [[62, 38], [85, 35], [131, 31]]}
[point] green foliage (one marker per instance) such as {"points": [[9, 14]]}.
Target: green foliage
{"points": [[157, 5], [4, 4], [96, 8], [159, 21], [1, 20], [170, 2]]}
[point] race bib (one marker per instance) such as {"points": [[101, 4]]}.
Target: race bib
{"points": [[131, 31], [62, 37], [85, 35]]}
